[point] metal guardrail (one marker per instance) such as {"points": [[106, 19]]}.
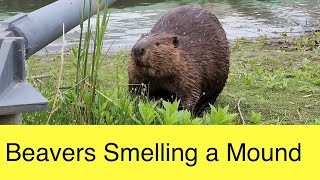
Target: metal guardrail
{"points": [[23, 35]]}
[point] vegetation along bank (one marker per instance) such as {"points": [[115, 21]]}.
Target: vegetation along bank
{"points": [[271, 81]]}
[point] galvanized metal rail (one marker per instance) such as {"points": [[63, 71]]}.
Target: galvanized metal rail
{"points": [[20, 37]]}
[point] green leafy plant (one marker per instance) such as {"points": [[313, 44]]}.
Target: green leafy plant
{"points": [[170, 114], [255, 118], [219, 116], [148, 112]]}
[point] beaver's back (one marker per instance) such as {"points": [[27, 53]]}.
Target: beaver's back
{"points": [[200, 32], [203, 41]]}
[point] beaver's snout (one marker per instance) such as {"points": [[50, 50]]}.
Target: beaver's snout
{"points": [[138, 52]]}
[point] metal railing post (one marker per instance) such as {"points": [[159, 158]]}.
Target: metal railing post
{"points": [[23, 35]]}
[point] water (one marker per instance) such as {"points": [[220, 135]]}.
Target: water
{"points": [[240, 18]]}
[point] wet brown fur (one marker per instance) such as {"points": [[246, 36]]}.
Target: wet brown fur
{"points": [[185, 54]]}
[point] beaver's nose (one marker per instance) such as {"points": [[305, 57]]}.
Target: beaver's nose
{"points": [[139, 51]]}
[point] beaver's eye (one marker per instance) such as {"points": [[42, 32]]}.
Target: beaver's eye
{"points": [[158, 43]]}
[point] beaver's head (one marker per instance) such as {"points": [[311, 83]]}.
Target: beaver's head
{"points": [[156, 54]]}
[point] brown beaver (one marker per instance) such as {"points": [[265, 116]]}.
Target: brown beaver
{"points": [[186, 54]]}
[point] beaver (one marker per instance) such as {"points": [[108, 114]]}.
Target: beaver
{"points": [[185, 55]]}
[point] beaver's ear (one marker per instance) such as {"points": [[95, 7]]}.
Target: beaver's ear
{"points": [[144, 35], [175, 41]]}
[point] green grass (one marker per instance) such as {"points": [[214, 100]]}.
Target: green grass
{"points": [[272, 81]]}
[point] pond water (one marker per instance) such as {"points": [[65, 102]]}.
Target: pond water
{"points": [[240, 18]]}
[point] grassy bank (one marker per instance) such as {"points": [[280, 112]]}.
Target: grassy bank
{"points": [[272, 81]]}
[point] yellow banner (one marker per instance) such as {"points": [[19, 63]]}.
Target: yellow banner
{"points": [[160, 152]]}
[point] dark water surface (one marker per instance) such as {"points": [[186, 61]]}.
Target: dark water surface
{"points": [[240, 18]]}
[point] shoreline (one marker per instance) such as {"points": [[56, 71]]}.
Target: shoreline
{"points": [[56, 48]]}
